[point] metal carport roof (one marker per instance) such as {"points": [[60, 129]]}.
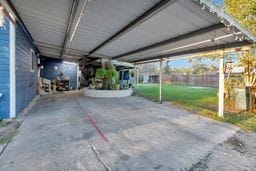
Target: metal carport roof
{"points": [[127, 30]]}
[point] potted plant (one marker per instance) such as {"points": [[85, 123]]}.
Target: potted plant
{"points": [[99, 84], [93, 84], [110, 79], [100, 76]]}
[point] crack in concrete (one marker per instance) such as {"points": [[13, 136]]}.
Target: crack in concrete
{"points": [[98, 157], [5, 146], [201, 164]]}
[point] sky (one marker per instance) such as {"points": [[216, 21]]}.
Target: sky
{"points": [[218, 2], [184, 63]]}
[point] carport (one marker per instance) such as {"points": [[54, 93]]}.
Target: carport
{"points": [[131, 31], [73, 132]]}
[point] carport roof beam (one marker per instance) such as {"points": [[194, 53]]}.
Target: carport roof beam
{"points": [[146, 15], [69, 25], [193, 51], [171, 40]]}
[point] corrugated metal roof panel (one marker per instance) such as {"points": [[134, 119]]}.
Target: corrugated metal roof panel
{"points": [[187, 44], [104, 18], [46, 20], [179, 18]]}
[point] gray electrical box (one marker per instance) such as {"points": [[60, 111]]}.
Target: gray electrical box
{"points": [[240, 98]]}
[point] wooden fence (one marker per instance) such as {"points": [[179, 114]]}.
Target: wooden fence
{"points": [[194, 80]]}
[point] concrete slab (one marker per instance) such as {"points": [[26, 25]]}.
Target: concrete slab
{"points": [[73, 132]]}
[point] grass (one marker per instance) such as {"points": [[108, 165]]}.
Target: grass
{"points": [[7, 131], [200, 100], [6, 139], [4, 123]]}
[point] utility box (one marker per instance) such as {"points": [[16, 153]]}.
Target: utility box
{"points": [[240, 98]]}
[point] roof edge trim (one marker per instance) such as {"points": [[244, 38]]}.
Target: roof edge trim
{"points": [[223, 15]]}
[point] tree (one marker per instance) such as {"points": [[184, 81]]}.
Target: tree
{"points": [[167, 67], [244, 11], [198, 67], [248, 61]]}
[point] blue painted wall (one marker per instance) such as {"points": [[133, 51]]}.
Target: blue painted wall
{"points": [[26, 81], [5, 71], [69, 70]]}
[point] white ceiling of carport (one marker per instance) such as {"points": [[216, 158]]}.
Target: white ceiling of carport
{"points": [[179, 18], [47, 21], [171, 47], [104, 18]]}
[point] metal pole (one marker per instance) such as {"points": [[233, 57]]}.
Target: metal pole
{"points": [[160, 80], [221, 86], [137, 78]]}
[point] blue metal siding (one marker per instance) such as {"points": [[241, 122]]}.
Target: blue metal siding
{"points": [[69, 70], [26, 81], [5, 71]]}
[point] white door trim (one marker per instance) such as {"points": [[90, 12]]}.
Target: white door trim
{"points": [[12, 70]]}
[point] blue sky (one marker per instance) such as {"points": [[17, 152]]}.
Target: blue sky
{"points": [[184, 63], [218, 2]]}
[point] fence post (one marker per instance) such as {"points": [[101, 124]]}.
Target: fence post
{"points": [[160, 80]]}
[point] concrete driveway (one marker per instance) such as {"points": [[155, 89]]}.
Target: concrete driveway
{"points": [[73, 132]]}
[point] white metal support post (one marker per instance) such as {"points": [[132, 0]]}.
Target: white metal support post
{"points": [[137, 78], [160, 80], [221, 86]]}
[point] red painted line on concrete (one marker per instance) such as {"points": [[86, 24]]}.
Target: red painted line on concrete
{"points": [[93, 122], [96, 127]]}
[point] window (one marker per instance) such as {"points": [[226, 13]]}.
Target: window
{"points": [[33, 61]]}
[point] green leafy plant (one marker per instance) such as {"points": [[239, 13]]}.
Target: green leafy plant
{"points": [[101, 73], [111, 74], [106, 75]]}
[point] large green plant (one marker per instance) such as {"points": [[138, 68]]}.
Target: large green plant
{"points": [[101, 73], [106, 75]]}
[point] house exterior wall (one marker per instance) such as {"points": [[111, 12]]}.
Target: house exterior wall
{"points": [[69, 70], [5, 70], [26, 81]]}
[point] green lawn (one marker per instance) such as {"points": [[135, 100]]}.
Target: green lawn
{"points": [[197, 99]]}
